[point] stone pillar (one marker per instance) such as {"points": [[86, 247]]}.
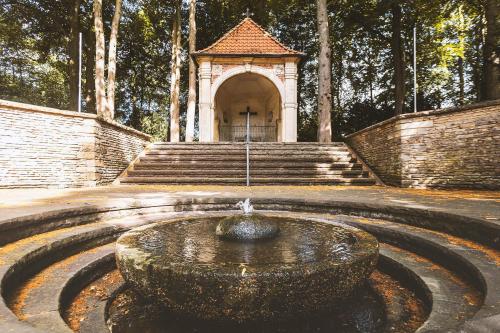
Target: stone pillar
{"points": [[206, 122], [289, 119]]}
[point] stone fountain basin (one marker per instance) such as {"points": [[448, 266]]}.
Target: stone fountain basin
{"points": [[310, 267]]}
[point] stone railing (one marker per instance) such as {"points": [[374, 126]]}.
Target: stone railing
{"points": [[448, 148], [45, 147]]}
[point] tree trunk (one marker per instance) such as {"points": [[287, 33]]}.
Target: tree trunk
{"points": [[460, 61], [461, 81], [73, 55], [175, 75], [191, 107], [100, 83], [398, 58], [112, 59], [324, 74], [491, 64], [477, 61], [90, 92]]}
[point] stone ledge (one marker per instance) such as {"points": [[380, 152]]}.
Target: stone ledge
{"points": [[436, 112], [473, 228], [16, 106]]}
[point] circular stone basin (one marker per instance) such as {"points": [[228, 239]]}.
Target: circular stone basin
{"points": [[310, 266], [247, 228]]}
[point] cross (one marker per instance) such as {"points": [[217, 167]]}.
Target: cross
{"points": [[248, 14], [248, 114]]}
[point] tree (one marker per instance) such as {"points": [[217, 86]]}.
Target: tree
{"points": [[112, 59], [491, 52], [175, 73], [398, 59], [324, 75], [39, 42], [105, 105], [191, 109], [100, 52], [73, 55]]}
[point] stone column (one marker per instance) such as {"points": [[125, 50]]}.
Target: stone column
{"points": [[205, 108], [289, 121]]}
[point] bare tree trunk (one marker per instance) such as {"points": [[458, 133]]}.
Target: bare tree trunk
{"points": [[491, 70], [100, 83], [191, 107], [325, 79], [73, 55], [476, 61], [112, 59], [90, 93], [399, 61], [175, 75], [460, 61], [461, 81]]}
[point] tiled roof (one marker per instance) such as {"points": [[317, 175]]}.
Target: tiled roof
{"points": [[248, 38]]}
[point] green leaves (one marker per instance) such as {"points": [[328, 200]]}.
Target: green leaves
{"points": [[34, 37]]}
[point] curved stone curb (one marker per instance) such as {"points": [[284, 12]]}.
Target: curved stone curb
{"points": [[468, 227]]}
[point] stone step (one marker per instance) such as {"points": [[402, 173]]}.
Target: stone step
{"points": [[23, 258], [253, 159], [243, 151], [181, 165], [281, 172], [254, 181], [471, 261], [449, 295], [41, 300], [278, 145], [252, 148], [270, 163]]}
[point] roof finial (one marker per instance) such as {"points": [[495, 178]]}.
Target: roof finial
{"points": [[248, 13]]}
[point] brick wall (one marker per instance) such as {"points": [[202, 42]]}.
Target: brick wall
{"points": [[448, 148], [45, 147]]}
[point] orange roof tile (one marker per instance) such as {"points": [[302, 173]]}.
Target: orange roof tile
{"points": [[248, 38]]}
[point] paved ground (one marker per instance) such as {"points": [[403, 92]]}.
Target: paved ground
{"points": [[19, 202]]}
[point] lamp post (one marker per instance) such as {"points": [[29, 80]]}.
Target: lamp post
{"points": [[415, 68], [80, 72]]}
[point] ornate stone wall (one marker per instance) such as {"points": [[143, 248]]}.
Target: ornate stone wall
{"points": [[44, 147], [448, 148]]}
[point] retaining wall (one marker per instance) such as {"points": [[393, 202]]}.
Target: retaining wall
{"points": [[45, 147], [447, 148]]}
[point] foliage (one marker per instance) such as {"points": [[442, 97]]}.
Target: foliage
{"points": [[34, 37]]}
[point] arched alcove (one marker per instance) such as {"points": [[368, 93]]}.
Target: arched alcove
{"points": [[231, 100]]}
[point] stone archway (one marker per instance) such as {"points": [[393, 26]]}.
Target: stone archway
{"points": [[258, 89], [282, 77]]}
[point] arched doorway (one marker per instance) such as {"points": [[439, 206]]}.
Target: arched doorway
{"points": [[234, 96]]}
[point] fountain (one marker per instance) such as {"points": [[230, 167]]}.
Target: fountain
{"points": [[246, 267], [247, 226]]}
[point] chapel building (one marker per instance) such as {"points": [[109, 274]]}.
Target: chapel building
{"points": [[247, 70]]}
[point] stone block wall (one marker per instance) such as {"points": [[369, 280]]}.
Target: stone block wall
{"points": [[45, 147], [448, 148]]}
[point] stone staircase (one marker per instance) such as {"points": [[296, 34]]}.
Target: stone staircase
{"points": [[270, 164]]}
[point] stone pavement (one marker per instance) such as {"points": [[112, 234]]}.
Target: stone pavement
{"points": [[21, 202]]}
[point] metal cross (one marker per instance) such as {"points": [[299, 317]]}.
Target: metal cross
{"points": [[248, 13]]}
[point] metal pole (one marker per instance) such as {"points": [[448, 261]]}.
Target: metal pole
{"points": [[248, 146], [80, 72], [415, 69]]}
